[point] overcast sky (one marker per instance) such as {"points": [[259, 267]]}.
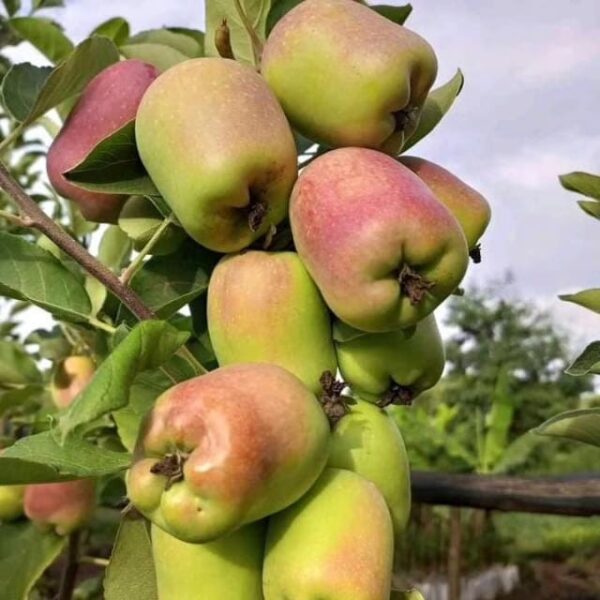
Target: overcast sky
{"points": [[528, 112]]}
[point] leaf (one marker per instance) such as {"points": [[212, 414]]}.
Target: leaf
{"points": [[28, 272], [52, 344], [115, 29], [582, 425], [587, 362], [113, 252], [590, 207], [45, 35], [68, 79], [184, 44], [257, 12], [41, 4], [23, 399], [158, 55], [12, 6], [130, 574], [146, 347], [582, 183], [40, 458], [25, 553], [195, 34], [498, 422], [438, 103], [587, 298], [396, 14], [168, 283], [21, 87], [517, 453], [16, 366], [114, 166], [142, 395]]}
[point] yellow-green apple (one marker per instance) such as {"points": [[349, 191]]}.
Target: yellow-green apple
{"points": [[62, 507], [382, 250], [336, 542], [347, 76], [109, 102], [11, 502], [367, 441], [219, 148], [70, 377], [470, 208], [264, 307], [392, 367], [226, 449], [228, 568]]}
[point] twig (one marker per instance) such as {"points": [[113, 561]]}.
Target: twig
{"points": [[69, 574], [11, 137], [94, 560], [137, 262], [33, 216]]}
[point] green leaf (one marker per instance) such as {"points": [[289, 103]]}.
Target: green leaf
{"points": [[45, 35], [279, 8], [184, 44], [41, 4], [52, 344], [68, 79], [587, 362], [438, 103], [397, 14], [130, 573], [590, 207], [25, 553], [12, 6], [257, 12], [498, 422], [21, 87], [22, 399], [115, 29], [27, 272], [114, 166], [148, 346], [195, 34], [158, 55], [113, 252], [40, 458], [582, 425], [587, 298], [168, 283], [582, 183], [140, 219], [16, 366]]}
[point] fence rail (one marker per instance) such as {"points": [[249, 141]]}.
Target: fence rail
{"points": [[574, 495]]}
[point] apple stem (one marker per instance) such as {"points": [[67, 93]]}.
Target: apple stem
{"points": [[413, 285], [257, 45]]}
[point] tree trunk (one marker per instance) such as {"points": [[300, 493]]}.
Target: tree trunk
{"points": [[454, 555]]}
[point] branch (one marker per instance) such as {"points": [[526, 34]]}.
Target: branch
{"points": [[69, 574], [572, 495], [32, 215]]}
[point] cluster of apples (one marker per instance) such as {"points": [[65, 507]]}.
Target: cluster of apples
{"points": [[65, 506], [260, 478]]}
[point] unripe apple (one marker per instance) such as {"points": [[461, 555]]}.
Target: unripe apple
{"points": [[226, 449], [469, 207], [219, 148], [70, 378], [229, 568], [63, 506], [264, 307], [392, 367], [347, 76], [335, 542], [11, 502], [108, 102], [382, 250]]}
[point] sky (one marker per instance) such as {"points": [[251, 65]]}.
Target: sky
{"points": [[528, 112]]}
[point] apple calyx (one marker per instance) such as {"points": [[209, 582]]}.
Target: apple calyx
{"points": [[405, 118], [171, 467], [413, 285], [257, 211], [475, 254], [334, 404], [400, 395], [223, 41]]}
